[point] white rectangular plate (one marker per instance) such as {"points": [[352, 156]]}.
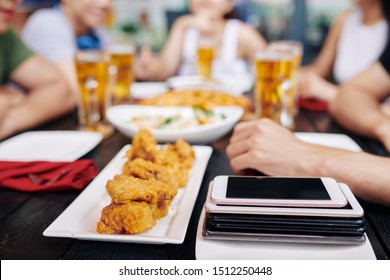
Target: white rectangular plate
{"points": [[340, 141], [49, 145], [80, 218]]}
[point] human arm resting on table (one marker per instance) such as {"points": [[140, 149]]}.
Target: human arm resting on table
{"points": [[47, 97], [357, 107], [271, 149]]}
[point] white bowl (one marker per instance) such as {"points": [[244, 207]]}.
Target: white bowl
{"points": [[147, 90], [120, 116], [232, 84]]}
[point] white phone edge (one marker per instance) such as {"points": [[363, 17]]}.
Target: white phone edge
{"points": [[337, 197], [356, 210]]}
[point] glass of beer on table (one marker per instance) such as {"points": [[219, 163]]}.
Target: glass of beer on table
{"points": [[92, 75], [274, 73], [121, 74], [296, 49], [205, 56]]}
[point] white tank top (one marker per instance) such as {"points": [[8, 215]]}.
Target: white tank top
{"points": [[226, 64], [359, 46]]}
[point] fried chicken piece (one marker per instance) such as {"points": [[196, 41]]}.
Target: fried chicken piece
{"points": [[146, 170], [162, 208], [143, 146], [124, 188], [129, 218], [170, 160], [185, 152]]}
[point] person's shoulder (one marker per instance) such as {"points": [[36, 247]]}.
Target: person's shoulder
{"points": [[10, 37], [341, 17], [46, 18], [247, 31]]}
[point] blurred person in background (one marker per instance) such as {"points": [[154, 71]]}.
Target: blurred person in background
{"points": [[235, 43], [57, 33], [46, 94], [354, 42], [264, 146]]}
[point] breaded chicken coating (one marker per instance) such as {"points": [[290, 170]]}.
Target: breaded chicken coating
{"points": [[146, 170], [129, 218], [124, 188], [143, 146]]}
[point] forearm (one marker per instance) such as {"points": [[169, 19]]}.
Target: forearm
{"points": [[8, 99], [360, 113], [39, 106], [367, 175]]}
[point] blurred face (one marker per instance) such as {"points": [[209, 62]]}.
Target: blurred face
{"points": [[88, 13], [211, 8], [7, 12]]}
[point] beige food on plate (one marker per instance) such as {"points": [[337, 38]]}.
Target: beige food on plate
{"points": [[143, 193]]}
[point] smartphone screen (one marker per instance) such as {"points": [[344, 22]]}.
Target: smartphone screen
{"points": [[276, 188]]}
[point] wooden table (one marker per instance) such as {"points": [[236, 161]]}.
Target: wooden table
{"points": [[24, 216]]}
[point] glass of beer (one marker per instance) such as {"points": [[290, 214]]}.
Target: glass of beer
{"points": [[296, 49], [206, 49], [92, 75], [274, 71], [121, 74]]}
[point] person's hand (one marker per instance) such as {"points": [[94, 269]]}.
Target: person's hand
{"points": [[382, 131], [8, 99], [145, 64], [385, 107], [312, 86], [264, 146]]}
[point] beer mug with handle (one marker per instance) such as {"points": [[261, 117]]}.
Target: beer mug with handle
{"points": [[274, 72]]}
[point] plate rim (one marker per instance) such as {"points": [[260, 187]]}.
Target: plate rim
{"points": [[95, 139], [355, 146], [238, 112]]}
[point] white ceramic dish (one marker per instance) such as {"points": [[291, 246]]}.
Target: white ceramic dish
{"points": [[232, 84], [120, 116], [79, 219], [250, 250], [49, 145], [339, 141], [147, 90]]}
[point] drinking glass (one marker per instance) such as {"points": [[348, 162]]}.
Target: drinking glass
{"points": [[296, 49], [206, 49], [121, 74], [92, 76], [274, 72]]}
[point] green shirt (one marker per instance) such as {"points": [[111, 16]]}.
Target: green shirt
{"points": [[12, 53]]}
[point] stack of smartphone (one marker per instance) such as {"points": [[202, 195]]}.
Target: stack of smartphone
{"points": [[283, 209]]}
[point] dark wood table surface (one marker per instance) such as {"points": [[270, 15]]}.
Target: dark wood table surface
{"points": [[24, 216]]}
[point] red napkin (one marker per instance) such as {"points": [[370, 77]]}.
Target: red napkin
{"points": [[312, 105], [35, 176]]}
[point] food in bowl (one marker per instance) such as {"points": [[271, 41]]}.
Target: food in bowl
{"points": [[198, 98], [176, 121]]}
